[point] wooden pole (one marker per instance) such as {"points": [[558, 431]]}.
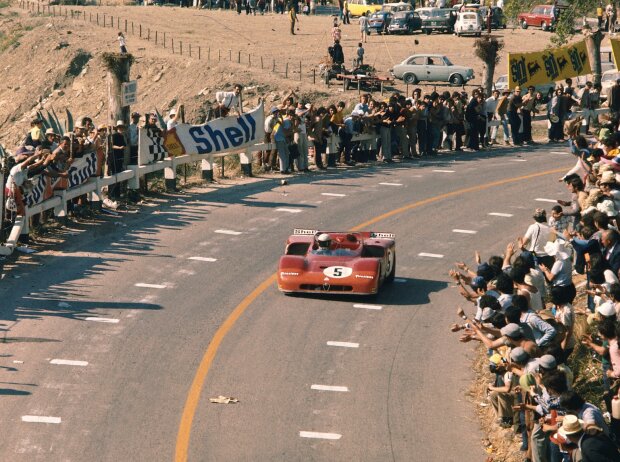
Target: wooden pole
{"points": [[97, 18], [164, 40], [156, 37], [249, 60], [219, 55], [261, 62], [125, 26], [190, 50], [199, 53], [230, 55], [274, 65], [181, 47], [239, 58], [172, 45], [140, 30], [148, 34], [300, 71], [286, 71], [132, 33], [314, 75]]}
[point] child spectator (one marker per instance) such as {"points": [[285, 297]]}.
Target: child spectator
{"points": [[360, 55], [122, 43], [558, 221]]}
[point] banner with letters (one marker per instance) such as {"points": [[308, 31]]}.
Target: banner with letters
{"points": [[615, 50], [219, 135], [41, 187], [548, 66]]}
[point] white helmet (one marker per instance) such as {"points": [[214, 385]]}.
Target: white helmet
{"points": [[324, 240]]}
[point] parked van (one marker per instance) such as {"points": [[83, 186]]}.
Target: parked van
{"points": [[358, 7], [468, 23]]}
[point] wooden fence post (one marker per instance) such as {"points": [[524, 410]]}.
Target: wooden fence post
{"points": [[97, 18], [181, 47], [164, 40], [172, 46], [249, 60], [132, 33], [314, 75], [125, 26], [219, 55], [286, 71], [190, 50], [274, 65], [140, 30], [104, 20], [239, 58], [148, 34], [199, 53], [300, 71], [230, 55], [155, 37], [261, 62]]}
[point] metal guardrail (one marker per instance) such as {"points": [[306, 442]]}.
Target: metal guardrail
{"points": [[94, 186]]}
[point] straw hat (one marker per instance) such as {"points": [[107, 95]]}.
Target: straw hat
{"points": [[570, 425]]}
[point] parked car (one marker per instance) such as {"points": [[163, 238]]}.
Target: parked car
{"points": [[440, 20], [608, 80], [357, 7], [468, 23], [539, 16], [431, 68], [405, 22], [380, 20], [501, 84], [424, 12]]}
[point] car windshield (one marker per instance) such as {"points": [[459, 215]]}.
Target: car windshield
{"points": [[333, 252], [439, 14], [469, 17], [400, 16], [502, 79]]}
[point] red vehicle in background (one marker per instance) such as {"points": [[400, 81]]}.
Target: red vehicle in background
{"points": [[540, 16]]}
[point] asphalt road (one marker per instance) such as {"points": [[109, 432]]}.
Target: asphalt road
{"points": [[118, 390]]}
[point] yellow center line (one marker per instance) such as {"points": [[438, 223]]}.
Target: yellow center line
{"points": [[193, 396]]}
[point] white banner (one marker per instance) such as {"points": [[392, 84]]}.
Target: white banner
{"points": [[220, 135]]}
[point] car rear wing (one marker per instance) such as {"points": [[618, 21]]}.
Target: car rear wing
{"points": [[305, 232], [382, 236]]}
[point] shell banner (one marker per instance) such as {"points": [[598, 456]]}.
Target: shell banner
{"points": [[548, 66], [217, 136]]}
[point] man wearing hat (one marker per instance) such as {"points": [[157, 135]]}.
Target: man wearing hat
{"points": [[50, 141], [594, 445], [35, 134], [536, 236], [174, 117]]}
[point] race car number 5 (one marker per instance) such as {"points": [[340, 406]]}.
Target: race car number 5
{"points": [[337, 272]]}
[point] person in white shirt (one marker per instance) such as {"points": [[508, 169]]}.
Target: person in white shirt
{"points": [[173, 118], [228, 100], [490, 106], [536, 236], [132, 132]]}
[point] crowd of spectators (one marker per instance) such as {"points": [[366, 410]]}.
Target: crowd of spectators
{"points": [[424, 124], [522, 309]]}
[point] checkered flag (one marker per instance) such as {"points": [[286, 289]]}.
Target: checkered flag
{"points": [[151, 147]]}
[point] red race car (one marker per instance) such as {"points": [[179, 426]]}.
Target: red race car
{"points": [[337, 262]]}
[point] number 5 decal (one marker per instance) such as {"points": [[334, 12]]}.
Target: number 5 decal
{"points": [[337, 272]]}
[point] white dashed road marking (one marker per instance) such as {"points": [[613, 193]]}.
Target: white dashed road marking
{"points": [[559, 152], [464, 231], [228, 231], [108, 320], [328, 388], [69, 362], [202, 258], [333, 194], [391, 184], [322, 436], [443, 171], [430, 255], [540, 199], [41, 419], [497, 214], [368, 307], [150, 286], [284, 209], [400, 280], [343, 344], [517, 160]]}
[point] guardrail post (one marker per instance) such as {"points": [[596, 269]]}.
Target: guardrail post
{"points": [[60, 210], [206, 167], [245, 159], [170, 177]]}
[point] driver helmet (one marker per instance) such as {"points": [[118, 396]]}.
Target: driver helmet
{"points": [[324, 241]]}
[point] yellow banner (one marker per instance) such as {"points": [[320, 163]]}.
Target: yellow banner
{"points": [[615, 50], [548, 66]]}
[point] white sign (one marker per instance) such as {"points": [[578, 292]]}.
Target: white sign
{"points": [[129, 93]]}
